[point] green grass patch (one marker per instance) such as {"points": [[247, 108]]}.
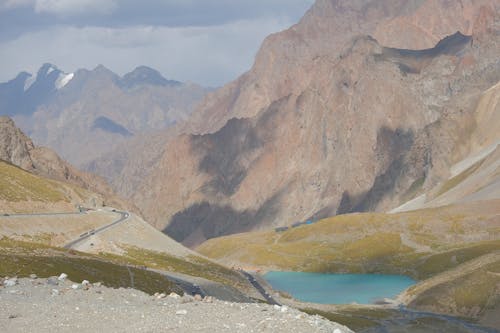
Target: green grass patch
{"points": [[468, 295], [441, 262], [374, 247], [191, 265], [355, 319], [17, 185], [93, 270]]}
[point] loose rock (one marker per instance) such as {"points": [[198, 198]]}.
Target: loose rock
{"points": [[126, 310], [53, 281], [10, 282], [187, 299], [174, 295], [208, 299]]}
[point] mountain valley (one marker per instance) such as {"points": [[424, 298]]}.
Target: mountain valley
{"points": [[363, 140]]}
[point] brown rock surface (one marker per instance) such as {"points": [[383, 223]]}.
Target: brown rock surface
{"points": [[330, 121], [14, 145], [18, 149]]}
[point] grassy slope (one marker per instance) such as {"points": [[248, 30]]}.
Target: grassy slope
{"points": [[468, 292], [22, 258], [18, 186], [421, 244], [190, 265]]}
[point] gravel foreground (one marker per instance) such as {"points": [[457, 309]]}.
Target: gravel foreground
{"points": [[59, 305]]}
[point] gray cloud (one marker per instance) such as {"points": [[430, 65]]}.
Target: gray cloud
{"points": [[209, 42], [74, 7]]}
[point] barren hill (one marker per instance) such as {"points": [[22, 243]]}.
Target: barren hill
{"points": [[342, 112], [46, 167]]}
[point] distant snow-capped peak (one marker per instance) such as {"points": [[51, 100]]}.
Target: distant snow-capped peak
{"points": [[29, 81], [63, 79]]}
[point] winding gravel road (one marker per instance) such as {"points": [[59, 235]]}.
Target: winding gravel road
{"points": [[123, 217]]}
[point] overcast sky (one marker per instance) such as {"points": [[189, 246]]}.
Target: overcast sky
{"points": [[204, 41]]}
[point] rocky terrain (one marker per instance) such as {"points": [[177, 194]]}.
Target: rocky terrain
{"points": [[85, 115], [376, 121], [63, 306], [18, 149], [337, 115]]}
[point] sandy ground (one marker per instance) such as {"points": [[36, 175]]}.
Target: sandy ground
{"points": [[133, 232], [33, 305]]}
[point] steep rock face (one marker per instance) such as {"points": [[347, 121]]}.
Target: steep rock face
{"points": [[328, 122], [87, 114], [287, 59], [14, 145], [18, 149]]}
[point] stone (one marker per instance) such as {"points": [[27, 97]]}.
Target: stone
{"points": [[76, 286], [208, 299], [198, 298], [62, 277], [181, 312], [54, 292], [187, 299], [33, 276], [10, 282], [53, 281], [174, 295], [160, 296]]}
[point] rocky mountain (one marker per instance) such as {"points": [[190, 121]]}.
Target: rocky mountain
{"points": [[359, 107], [18, 149], [87, 114]]}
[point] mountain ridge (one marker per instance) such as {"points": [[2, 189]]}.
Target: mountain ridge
{"points": [[18, 149], [66, 111], [272, 146]]}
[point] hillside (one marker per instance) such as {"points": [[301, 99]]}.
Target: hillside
{"points": [[421, 244], [331, 120], [447, 238], [18, 149], [22, 191]]}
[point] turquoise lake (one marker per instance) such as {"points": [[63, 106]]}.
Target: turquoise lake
{"points": [[338, 288]]}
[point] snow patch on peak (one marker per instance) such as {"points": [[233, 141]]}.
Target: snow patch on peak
{"points": [[50, 70], [29, 81], [63, 79]]}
